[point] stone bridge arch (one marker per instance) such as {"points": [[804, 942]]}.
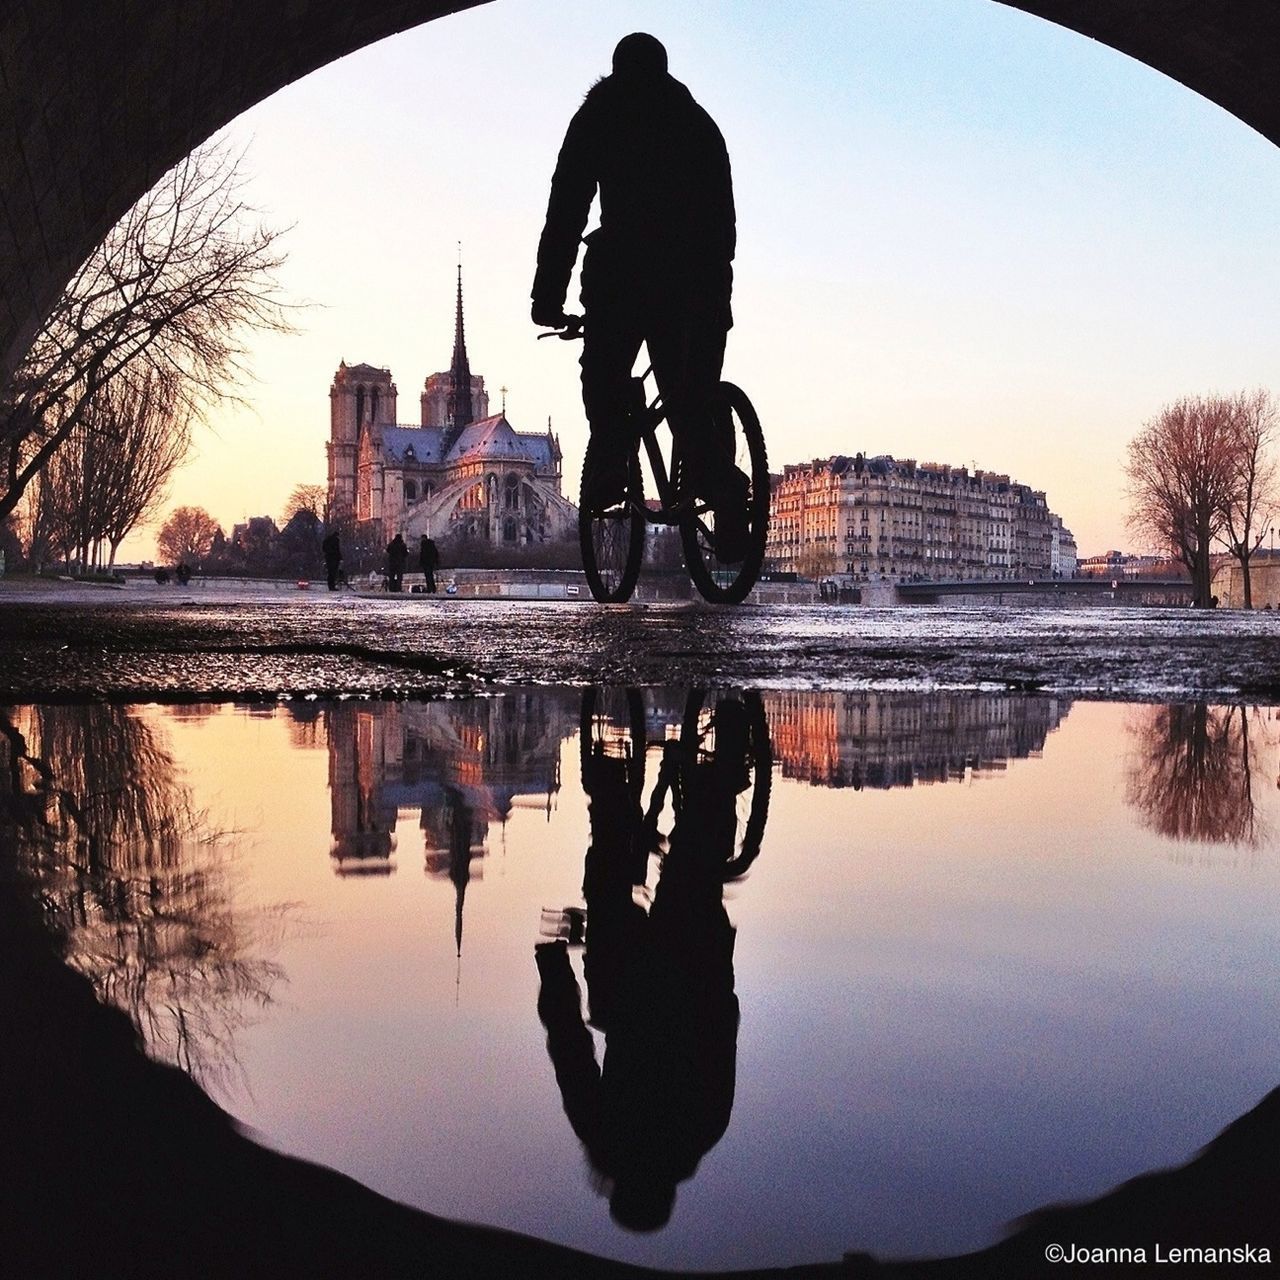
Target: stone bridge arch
{"points": [[98, 100]]}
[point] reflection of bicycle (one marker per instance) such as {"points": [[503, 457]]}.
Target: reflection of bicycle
{"points": [[725, 734], [714, 779], [724, 751], [612, 537]]}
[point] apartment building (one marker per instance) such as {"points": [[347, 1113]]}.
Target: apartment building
{"points": [[873, 518]]}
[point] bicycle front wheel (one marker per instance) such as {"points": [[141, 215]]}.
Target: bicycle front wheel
{"points": [[612, 537], [720, 580], [612, 729]]}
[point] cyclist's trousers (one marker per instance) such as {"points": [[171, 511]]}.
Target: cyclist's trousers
{"points": [[687, 350]]}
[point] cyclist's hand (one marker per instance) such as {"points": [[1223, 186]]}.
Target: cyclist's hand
{"points": [[549, 317]]}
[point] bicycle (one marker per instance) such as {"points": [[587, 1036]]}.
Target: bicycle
{"points": [[722, 757], [725, 737], [612, 538]]}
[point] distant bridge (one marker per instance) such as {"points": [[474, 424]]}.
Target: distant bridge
{"points": [[1127, 590]]}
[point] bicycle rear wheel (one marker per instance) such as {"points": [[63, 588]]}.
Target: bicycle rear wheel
{"points": [[730, 733], [729, 581], [612, 537]]}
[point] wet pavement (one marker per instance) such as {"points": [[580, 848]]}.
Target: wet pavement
{"points": [[77, 643]]}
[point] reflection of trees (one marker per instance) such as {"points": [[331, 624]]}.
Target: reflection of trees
{"points": [[135, 886], [1192, 773], [305, 722]]}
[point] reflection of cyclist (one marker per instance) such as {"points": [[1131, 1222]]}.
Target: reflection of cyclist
{"points": [[657, 270], [660, 986]]}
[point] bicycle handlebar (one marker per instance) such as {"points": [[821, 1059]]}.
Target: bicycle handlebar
{"points": [[571, 330]]}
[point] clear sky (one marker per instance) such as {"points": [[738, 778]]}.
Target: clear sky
{"points": [[965, 235]]}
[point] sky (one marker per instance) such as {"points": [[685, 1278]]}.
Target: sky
{"points": [[965, 235]]}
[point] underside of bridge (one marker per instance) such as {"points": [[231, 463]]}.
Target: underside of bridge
{"points": [[98, 100]]}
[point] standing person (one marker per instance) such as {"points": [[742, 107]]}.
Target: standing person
{"points": [[332, 549], [397, 558], [428, 561], [658, 270]]}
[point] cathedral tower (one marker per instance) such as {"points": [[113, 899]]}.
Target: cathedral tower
{"points": [[361, 399]]}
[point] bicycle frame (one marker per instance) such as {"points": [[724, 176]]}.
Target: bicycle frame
{"points": [[611, 534], [651, 416]]}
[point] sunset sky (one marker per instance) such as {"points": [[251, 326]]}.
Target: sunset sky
{"points": [[965, 235]]}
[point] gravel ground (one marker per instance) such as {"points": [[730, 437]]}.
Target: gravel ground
{"points": [[64, 641]]}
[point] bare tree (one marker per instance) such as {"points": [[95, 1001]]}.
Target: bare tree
{"points": [[186, 536], [307, 497], [814, 561], [135, 885], [1183, 476], [1252, 504], [1192, 771], [172, 290], [112, 469], [34, 517], [66, 494]]}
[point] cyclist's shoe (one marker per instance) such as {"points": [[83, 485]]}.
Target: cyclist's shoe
{"points": [[604, 479], [733, 524]]}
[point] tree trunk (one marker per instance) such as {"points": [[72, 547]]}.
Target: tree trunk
{"points": [[1200, 580], [1246, 580]]}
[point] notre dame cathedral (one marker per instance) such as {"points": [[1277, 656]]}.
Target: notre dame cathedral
{"points": [[461, 474]]}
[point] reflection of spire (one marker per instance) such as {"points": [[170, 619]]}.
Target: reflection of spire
{"points": [[459, 862]]}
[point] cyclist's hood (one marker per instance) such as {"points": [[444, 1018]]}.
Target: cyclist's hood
{"points": [[644, 91]]}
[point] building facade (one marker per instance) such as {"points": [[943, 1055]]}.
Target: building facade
{"points": [[875, 740], [881, 518], [459, 473]]}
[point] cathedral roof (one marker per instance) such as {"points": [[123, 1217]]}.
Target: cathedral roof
{"points": [[362, 370], [424, 441], [488, 438], [496, 438]]}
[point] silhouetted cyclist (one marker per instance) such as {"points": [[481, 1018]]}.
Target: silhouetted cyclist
{"points": [[660, 985], [657, 270]]}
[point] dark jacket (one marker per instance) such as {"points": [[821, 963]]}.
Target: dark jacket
{"points": [[667, 222]]}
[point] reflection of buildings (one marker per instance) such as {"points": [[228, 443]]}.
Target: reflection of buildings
{"points": [[881, 740], [459, 766]]}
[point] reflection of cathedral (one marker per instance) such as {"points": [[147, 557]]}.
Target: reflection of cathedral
{"points": [[459, 766], [881, 740], [461, 473]]}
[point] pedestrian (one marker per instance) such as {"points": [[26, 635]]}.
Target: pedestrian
{"points": [[428, 560], [397, 558], [332, 549]]}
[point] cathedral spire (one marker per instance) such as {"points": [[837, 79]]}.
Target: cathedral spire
{"points": [[460, 413]]}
